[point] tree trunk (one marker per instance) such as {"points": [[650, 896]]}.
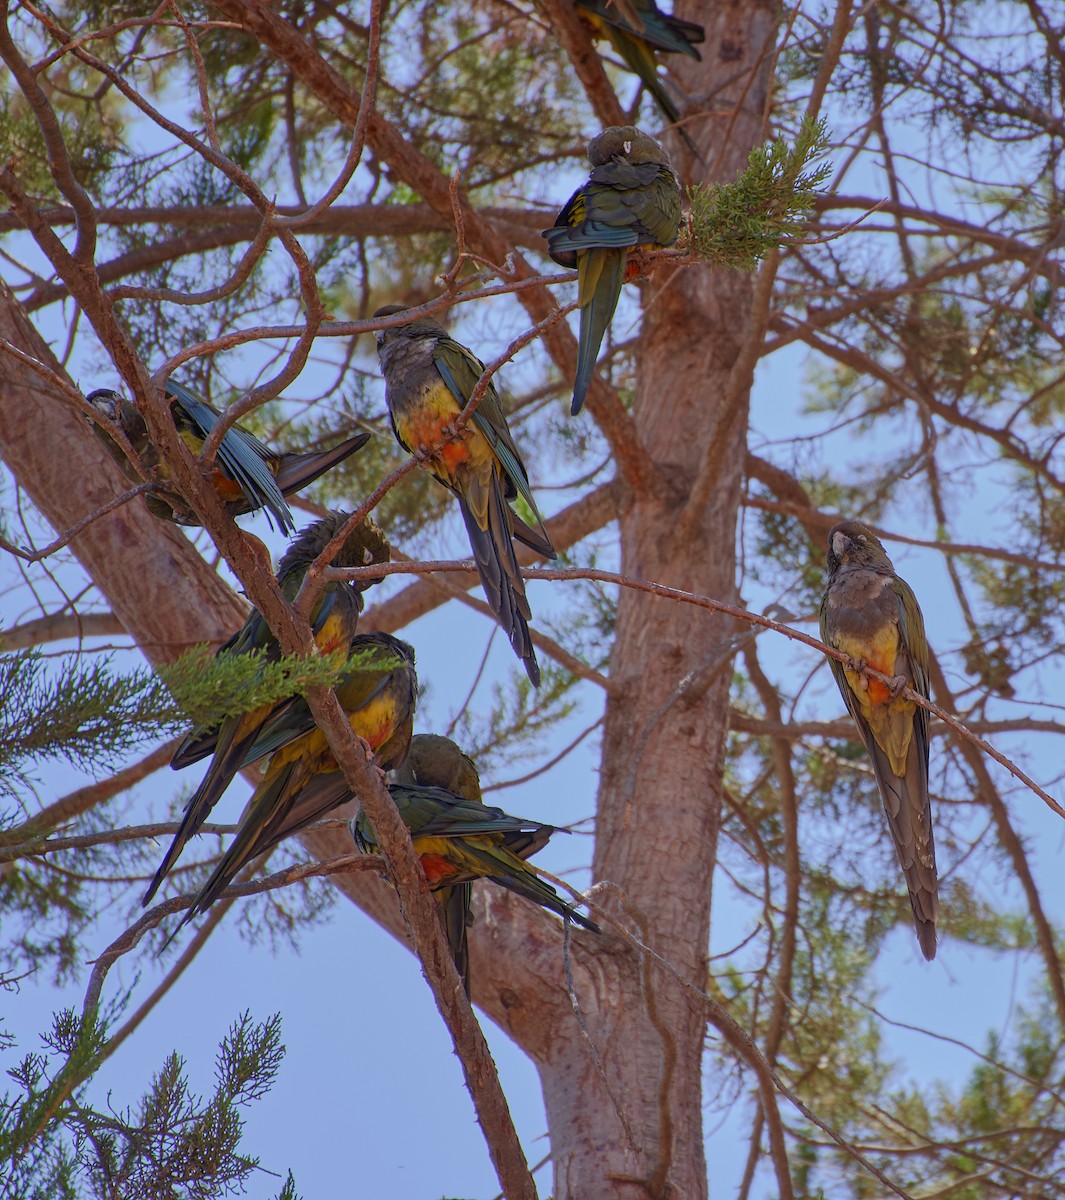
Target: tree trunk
{"points": [[660, 790]]}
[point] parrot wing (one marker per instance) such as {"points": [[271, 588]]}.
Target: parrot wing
{"points": [[244, 457], [460, 370]]}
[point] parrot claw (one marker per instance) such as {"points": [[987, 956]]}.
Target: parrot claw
{"points": [[896, 685]]}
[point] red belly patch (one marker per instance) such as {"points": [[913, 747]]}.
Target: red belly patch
{"points": [[437, 870]]}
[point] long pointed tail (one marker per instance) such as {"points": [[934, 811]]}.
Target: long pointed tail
{"points": [[515, 876], [250, 839], [497, 565], [600, 276], [454, 907], [296, 471], [909, 816], [232, 744]]}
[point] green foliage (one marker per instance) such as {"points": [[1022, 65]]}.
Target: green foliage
{"points": [[734, 225], [207, 687], [81, 711], [55, 1145]]}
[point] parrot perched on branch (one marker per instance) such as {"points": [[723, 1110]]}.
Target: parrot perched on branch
{"points": [[301, 781], [247, 474], [872, 615], [459, 838], [235, 742], [631, 200], [429, 378]]}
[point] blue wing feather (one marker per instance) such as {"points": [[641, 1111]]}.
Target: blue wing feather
{"points": [[242, 455]]}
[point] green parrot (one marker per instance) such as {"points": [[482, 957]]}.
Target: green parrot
{"points": [[436, 761], [429, 378], [872, 615], [235, 741], [636, 29], [247, 474], [631, 199], [378, 694], [459, 838]]}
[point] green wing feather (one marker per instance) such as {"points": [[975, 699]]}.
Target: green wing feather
{"points": [[460, 370]]}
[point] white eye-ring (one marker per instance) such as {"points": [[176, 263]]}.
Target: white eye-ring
{"points": [[628, 147]]}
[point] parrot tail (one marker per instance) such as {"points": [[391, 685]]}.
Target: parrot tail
{"points": [[296, 471], [909, 816], [322, 793], [600, 276], [454, 907], [510, 872], [220, 774], [639, 58], [497, 565], [261, 815]]}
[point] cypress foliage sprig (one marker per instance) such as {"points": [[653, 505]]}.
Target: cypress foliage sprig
{"points": [[91, 715], [81, 711], [734, 225], [55, 1145]]}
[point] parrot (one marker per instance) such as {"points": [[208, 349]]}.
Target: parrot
{"points": [[872, 615], [437, 762], [247, 474], [636, 29], [378, 694], [429, 378], [459, 838], [334, 619], [631, 199]]}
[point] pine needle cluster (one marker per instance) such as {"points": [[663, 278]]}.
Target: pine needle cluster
{"points": [[81, 711]]}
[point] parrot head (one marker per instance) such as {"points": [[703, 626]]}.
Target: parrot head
{"points": [[850, 543], [627, 143], [364, 545], [108, 403], [421, 327], [435, 761]]}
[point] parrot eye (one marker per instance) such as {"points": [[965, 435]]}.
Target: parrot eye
{"points": [[628, 147]]}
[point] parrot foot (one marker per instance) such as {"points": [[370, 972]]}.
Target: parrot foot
{"points": [[859, 666], [637, 264], [896, 685]]}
